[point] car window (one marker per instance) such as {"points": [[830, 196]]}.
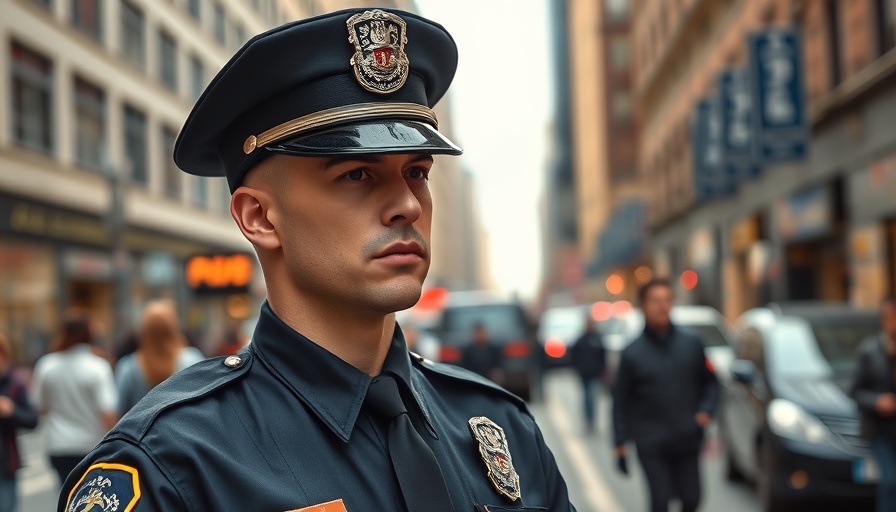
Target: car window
{"points": [[819, 347], [710, 334], [501, 321]]}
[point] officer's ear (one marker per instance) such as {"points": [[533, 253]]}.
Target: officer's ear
{"points": [[251, 209]]}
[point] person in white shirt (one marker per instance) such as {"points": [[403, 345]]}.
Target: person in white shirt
{"points": [[74, 390]]}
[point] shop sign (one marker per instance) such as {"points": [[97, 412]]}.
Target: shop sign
{"points": [[220, 273], [712, 179], [778, 95], [804, 215], [737, 124]]}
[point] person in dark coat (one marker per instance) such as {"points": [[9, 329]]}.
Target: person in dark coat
{"points": [[590, 361], [874, 390], [664, 397], [482, 357], [16, 412]]}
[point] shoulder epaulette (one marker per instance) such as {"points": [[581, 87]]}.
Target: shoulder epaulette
{"points": [[457, 373], [193, 383]]}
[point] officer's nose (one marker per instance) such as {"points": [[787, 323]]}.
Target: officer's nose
{"points": [[403, 205]]}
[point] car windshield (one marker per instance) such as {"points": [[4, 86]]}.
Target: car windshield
{"points": [[710, 334], [565, 323], [501, 321], [819, 347]]}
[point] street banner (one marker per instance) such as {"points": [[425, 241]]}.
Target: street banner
{"points": [[737, 124], [712, 178], [776, 75]]}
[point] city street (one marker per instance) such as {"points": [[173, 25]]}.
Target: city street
{"points": [[586, 461], [589, 466]]}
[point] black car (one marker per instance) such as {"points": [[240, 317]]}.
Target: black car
{"points": [[787, 421], [509, 330]]}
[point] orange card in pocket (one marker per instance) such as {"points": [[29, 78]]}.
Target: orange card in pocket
{"points": [[330, 506]]}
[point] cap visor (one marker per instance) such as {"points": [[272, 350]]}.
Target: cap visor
{"points": [[374, 137]]}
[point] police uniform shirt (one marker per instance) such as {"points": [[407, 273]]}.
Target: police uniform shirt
{"points": [[283, 428]]}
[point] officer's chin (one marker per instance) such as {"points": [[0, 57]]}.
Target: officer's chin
{"points": [[397, 294]]}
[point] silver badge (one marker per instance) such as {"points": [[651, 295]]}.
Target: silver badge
{"points": [[496, 455], [380, 63]]}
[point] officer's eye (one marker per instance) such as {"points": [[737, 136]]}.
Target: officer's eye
{"points": [[355, 175], [418, 173]]}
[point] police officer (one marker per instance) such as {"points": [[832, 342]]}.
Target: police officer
{"points": [[324, 130], [663, 398]]}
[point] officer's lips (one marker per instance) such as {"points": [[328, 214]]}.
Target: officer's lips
{"points": [[401, 253]]}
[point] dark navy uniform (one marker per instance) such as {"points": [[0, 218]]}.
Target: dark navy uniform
{"points": [[286, 425], [282, 428]]}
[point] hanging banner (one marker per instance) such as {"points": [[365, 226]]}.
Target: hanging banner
{"points": [[712, 179], [776, 76], [737, 124]]}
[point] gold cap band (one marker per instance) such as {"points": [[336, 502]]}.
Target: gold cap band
{"points": [[338, 115]]}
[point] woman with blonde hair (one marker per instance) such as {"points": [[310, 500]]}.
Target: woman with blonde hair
{"points": [[162, 350]]}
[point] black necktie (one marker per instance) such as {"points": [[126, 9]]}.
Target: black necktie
{"points": [[418, 472]]}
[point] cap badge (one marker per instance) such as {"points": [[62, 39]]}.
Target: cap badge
{"points": [[496, 455], [380, 63]]}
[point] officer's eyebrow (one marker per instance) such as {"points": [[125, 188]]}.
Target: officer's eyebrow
{"points": [[367, 159]]}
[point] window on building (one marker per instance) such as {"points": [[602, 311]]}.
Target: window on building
{"points": [[135, 134], [197, 77], [886, 25], [622, 106], [90, 124], [133, 35], [619, 54], [833, 26], [195, 9], [617, 10], [220, 24], [200, 191], [32, 95], [171, 177], [240, 34], [87, 17], [168, 60]]}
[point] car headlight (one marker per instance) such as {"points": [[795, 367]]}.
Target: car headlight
{"points": [[788, 420]]}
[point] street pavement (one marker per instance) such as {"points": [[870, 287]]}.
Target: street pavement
{"points": [[586, 461]]}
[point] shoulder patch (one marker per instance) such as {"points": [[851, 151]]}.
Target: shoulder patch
{"points": [[193, 383], [457, 373], [105, 487]]}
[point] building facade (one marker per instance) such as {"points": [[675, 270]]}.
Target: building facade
{"points": [[818, 227], [94, 214]]}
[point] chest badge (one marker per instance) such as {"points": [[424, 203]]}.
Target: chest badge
{"points": [[380, 63], [496, 455]]}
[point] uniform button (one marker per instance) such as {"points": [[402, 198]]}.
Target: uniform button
{"points": [[233, 362]]}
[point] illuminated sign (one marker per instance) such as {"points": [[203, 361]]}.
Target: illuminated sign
{"points": [[220, 273]]}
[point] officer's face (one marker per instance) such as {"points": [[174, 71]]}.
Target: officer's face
{"points": [[657, 306], [352, 231]]}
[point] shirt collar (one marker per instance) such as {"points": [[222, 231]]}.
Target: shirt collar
{"points": [[658, 337], [331, 387]]}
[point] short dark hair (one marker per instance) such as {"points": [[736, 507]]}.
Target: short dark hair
{"points": [[656, 282]]}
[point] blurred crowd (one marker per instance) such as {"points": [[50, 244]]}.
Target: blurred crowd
{"points": [[80, 389]]}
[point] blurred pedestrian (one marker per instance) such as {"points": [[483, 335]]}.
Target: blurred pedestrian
{"points": [[663, 399], [481, 356], [874, 390], [16, 412], [162, 351], [232, 342], [590, 361], [75, 391]]}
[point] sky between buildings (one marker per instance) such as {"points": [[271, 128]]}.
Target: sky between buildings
{"points": [[501, 103]]}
